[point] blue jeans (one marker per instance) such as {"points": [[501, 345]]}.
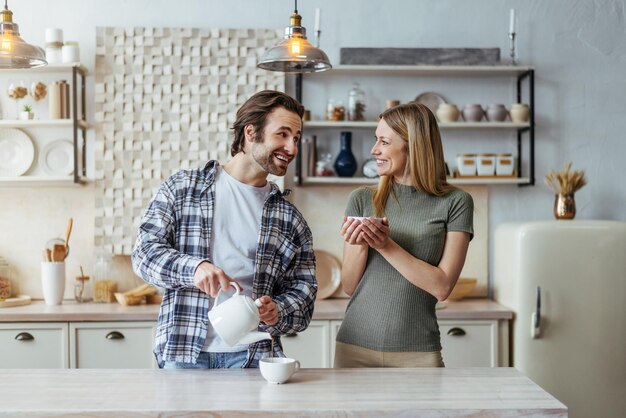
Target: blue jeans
{"points": [[208, 360]]}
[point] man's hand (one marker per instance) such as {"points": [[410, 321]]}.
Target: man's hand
{"points": [[268, 311], [209, 279]]}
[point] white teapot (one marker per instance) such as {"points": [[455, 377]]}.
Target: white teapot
{"points": [[236, 318]]}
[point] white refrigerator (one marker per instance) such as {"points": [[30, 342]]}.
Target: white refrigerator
{"points": [[566, 283]]}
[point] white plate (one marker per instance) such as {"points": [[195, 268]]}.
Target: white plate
{"points": [[57, 158], [16, 152], [430, 100], [328, 273]]}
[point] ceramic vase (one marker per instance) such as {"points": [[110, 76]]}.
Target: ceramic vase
{"points": [[447, 112], [496, 113], [345, 164], [519, 112], [473, 113]]}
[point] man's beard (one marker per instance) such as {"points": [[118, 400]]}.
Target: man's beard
{"points": [[265, 159]]}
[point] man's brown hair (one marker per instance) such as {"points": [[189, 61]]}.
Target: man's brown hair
{"points": [[254, 112]]}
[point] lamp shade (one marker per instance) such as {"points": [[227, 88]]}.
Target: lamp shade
{"points": [[14, 51], [294, 53]]}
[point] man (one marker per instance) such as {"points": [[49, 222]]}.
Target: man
{"points": [[208, 227]]}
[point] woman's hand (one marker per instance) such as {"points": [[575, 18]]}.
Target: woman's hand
{"points": [[375, 233], [268, 311], [351, 231]]}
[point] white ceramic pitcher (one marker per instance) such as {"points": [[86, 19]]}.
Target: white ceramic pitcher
{"points": [[236, 318]]}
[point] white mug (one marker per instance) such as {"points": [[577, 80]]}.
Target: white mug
{"points": [[278, 370], [53, 282]]}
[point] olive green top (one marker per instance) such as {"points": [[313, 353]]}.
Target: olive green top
{"points": [[387, 312]]}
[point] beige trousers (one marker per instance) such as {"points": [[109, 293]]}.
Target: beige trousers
{"points": [[350, 356]]}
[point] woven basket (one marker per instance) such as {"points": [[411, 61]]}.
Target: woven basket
{"points": [[127, 300]]}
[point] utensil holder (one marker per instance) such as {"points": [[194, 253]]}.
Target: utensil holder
{"points": [[53, 282]]}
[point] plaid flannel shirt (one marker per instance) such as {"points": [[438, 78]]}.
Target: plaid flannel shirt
{"points": [[173, 239]]}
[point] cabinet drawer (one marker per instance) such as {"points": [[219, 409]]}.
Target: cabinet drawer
{"points": [[469, 343], [34, 346], [310, 347], [112, 345]]}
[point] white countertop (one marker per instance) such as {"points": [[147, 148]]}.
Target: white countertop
{"points": [[503, 392], [38, 311]]}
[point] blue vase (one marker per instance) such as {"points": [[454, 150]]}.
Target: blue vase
{"points": [[345, 164]]}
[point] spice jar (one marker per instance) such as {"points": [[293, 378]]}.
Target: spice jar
{"points": [[5, 280], [335, 111], [356, 103]]}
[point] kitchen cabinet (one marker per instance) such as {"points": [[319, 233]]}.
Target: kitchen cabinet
{"points": [[43, 131], [471, 343], [92, 345], [385, 78], [311, 347], [119, 345], [466, 343], [34, 345]]}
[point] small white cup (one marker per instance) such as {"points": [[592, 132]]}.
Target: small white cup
{"points": [[53, 282], [278, 370]]}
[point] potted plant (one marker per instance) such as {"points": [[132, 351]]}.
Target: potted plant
{"points": [[27, 113]]}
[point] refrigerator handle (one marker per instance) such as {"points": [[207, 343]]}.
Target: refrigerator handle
{"points": [[535, 319]]}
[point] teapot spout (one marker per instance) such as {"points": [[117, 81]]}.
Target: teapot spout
{"points": [[253, 337]]}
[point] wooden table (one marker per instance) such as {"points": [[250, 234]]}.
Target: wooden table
{"points": [[493, 392]]}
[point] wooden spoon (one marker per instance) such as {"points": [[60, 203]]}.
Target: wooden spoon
{"points": [[67, 236]]}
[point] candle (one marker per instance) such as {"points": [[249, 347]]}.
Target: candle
{"points": [[317, 19], [512, 22]]}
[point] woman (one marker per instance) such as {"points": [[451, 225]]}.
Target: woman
{"points": [[398, 267]]}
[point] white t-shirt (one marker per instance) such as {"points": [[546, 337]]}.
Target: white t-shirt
{"points": [[234, 240]]}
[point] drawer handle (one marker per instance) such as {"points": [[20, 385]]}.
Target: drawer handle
{"points": [[292, 335], [115, 335], [24, 336], [456, 332]]}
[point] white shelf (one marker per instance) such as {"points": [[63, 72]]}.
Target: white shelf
{"points": [[34, 181], [50, 68], [50, 123], [356, 181], [432, 70], [442, 125]]}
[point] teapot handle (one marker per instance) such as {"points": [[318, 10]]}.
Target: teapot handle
{"points": [[219, 292]]}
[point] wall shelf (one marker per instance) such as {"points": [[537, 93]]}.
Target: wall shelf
{"points": [[35, 181], [50, 123], [364, 181], [520, 73], [432, 70], [77, 123], [442, 125]]}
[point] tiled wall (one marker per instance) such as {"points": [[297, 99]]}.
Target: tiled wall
{"points": [[165, 99]]}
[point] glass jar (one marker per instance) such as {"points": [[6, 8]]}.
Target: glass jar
{"points": [[335, 111], [104, 287], [356, 103], [5, 280]]}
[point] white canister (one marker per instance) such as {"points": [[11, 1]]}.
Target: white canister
{"points": [[505, 165], [486, 164], [70, 52], [53, 282], [54, 55], [54, 35], [466, 164]]}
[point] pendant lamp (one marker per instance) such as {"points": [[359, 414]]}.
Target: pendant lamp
{"points": [[294, 53], [14, 52]]}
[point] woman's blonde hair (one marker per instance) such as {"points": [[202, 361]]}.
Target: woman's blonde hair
{"points": [[416, 124]]}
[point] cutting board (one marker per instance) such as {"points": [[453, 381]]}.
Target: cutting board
{"points": [[16, 301]]}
